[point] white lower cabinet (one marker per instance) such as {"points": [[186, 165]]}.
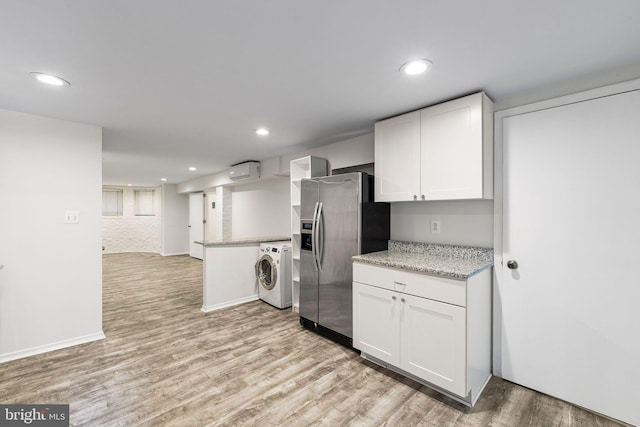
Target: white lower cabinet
{"points": [[376, 317], [438, 343], [432, 336]]}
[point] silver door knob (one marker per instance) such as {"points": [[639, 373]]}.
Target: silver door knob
{"points": [[511, 264]]}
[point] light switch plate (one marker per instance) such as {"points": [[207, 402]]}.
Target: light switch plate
{"points": [[72, 217]]}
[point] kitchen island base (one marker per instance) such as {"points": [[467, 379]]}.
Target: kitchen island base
{"points": [[229, 271]]}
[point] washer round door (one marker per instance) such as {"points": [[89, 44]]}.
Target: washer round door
{"points": [[267, 272]]}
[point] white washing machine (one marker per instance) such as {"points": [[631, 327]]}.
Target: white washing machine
{"points": [[273, 271]]}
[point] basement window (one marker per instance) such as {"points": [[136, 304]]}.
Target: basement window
{"points": [[144, 202], [111, 202]]}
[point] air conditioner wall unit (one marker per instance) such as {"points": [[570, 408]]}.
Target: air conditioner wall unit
{"points": [[245, 170]]}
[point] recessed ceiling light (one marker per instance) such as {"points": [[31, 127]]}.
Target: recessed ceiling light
{"points": [[417, 66], [262, 131], [50, 79], [193, 168], [129, 185], [163, 179]]}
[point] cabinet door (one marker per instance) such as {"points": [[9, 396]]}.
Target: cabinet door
{"points": [[376, 314], [433, 342], [451, 149], [397, 157]]}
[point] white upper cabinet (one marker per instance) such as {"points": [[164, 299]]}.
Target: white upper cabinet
{"points": [[397, 158], [443, 152]]}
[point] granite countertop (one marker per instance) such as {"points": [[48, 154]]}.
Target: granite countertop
{"points": [[454, 262], [246, 240]]}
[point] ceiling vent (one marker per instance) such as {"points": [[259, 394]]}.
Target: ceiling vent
{"points": [[245, 170]]}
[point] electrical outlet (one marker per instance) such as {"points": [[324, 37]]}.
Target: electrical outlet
{"points": [[436, 227], [72, 217]]}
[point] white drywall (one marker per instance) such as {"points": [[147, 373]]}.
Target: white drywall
{"points": [[51, 283], [350, 152], [462, 222], [229, 275], [467, 222], [261, 209]]}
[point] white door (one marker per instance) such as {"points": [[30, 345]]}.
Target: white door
{"points": [[196, 225], [441, 359], [571, 308]]}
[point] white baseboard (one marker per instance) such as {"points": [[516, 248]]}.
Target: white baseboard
{"points": [[210, 308], [51, 347], [175, 254]]}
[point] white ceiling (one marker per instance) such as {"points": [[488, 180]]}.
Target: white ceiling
{"points": [[186, 83]]}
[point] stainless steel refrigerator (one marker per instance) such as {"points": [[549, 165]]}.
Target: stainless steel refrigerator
{"points": [[338, 221]]}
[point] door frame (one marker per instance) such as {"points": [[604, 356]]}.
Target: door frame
{"points": [[498, 192]]}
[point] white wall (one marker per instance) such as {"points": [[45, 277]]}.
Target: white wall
{"points": [[463, 222], [131, 233], [51, 284], [342, 154], [210, 216], [599, 78], [175, 221], [468, 222], [261, 209]]}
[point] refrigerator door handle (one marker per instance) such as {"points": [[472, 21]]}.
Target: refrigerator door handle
{"points": [[314, 237], [319, 239]]}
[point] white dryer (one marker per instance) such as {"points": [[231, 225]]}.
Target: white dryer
{"points": [[273, 271]]}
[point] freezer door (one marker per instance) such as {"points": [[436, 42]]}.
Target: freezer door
{"points": [[308, 287], [339, 240], [308, 266]]}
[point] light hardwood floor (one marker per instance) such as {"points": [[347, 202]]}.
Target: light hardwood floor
{"points": [[164, 362]]}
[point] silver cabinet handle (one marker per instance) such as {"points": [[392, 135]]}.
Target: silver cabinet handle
{"points": [[393, 297], [402, 299], [422, 197], [415, 197], [399, 283]]}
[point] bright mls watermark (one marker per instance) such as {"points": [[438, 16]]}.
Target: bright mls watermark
{"points": [[34, 415]]}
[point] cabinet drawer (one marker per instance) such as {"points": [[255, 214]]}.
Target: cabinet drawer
{"points": [[413, 283]]}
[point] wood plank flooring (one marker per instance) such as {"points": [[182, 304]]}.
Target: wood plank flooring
{"points": [[165, 363]]}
